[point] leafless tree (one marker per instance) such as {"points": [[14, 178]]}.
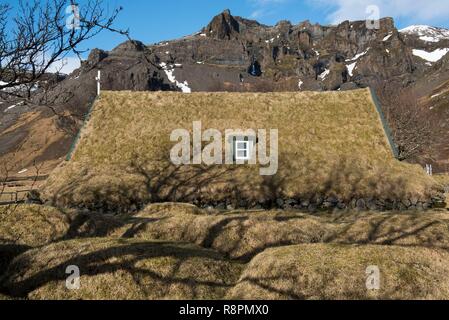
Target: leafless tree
{"points": [[409, 119], [37, 34]]}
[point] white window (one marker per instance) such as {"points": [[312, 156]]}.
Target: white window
{"points": [[242, 150]]}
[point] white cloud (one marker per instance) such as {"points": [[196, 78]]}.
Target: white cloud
{"points": [[264, 7], [257, 14], [66, 65], [429, 11]]}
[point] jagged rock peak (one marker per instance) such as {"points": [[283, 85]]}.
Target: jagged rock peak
{"points": [[129, 46], [223, 26]]}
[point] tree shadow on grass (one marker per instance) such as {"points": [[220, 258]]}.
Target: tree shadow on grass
{"points": [[126, 258], [8, 252], [400, 229]]}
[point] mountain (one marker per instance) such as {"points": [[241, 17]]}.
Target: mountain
{"points": [[236, 54]]}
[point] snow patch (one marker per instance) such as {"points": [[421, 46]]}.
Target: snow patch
{"points": [[351, 68], [324, 74], [20, 87], [169, 71], [22, 171], [433, 56], [387, 37], [300, 83], [436, 95], [427, 33], [357, 56], [13, 106]]}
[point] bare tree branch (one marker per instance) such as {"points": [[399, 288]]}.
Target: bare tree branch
{"points": [[410, 120], [42, 34]]}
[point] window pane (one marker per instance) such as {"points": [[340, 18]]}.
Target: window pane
{"points": [[241, 145], [241, 154]]}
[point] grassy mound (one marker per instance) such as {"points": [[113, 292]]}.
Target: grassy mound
{"points": [[430, 229], [170, 208], [31, 225], [92, 225], [243, 234], [25, 226], [121, 269], [239, 235], [329, 271], [330, 145]]}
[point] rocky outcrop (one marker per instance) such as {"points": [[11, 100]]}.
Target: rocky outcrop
{"points": [[223, 27], [222, 55]]}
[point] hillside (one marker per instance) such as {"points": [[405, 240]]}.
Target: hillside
{"points": [[333, 152]]}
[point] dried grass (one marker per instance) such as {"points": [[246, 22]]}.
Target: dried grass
{"points": [[329, 143], [330, 271], [121, 269]]}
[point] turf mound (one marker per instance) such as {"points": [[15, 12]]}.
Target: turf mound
{"points": [[170, 209], [26, 226], [243, 234], [328, 271], [239, 235], [332, 152], [92, 225], [121, 269], [31, 225], [405, 229]]}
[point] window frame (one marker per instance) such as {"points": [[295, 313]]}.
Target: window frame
{"points": [[247, 149]]}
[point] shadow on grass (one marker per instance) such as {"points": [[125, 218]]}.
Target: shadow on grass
{"points": [[125, 257]]}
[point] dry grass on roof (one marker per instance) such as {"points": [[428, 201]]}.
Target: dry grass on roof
{"points": [[330, 143]]}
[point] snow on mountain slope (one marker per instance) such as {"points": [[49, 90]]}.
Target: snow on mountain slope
{"points": [[427, 33], [432, 56], [169, 71]]}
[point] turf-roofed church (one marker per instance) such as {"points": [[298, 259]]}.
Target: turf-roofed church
{"points": [[333, 152]]}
